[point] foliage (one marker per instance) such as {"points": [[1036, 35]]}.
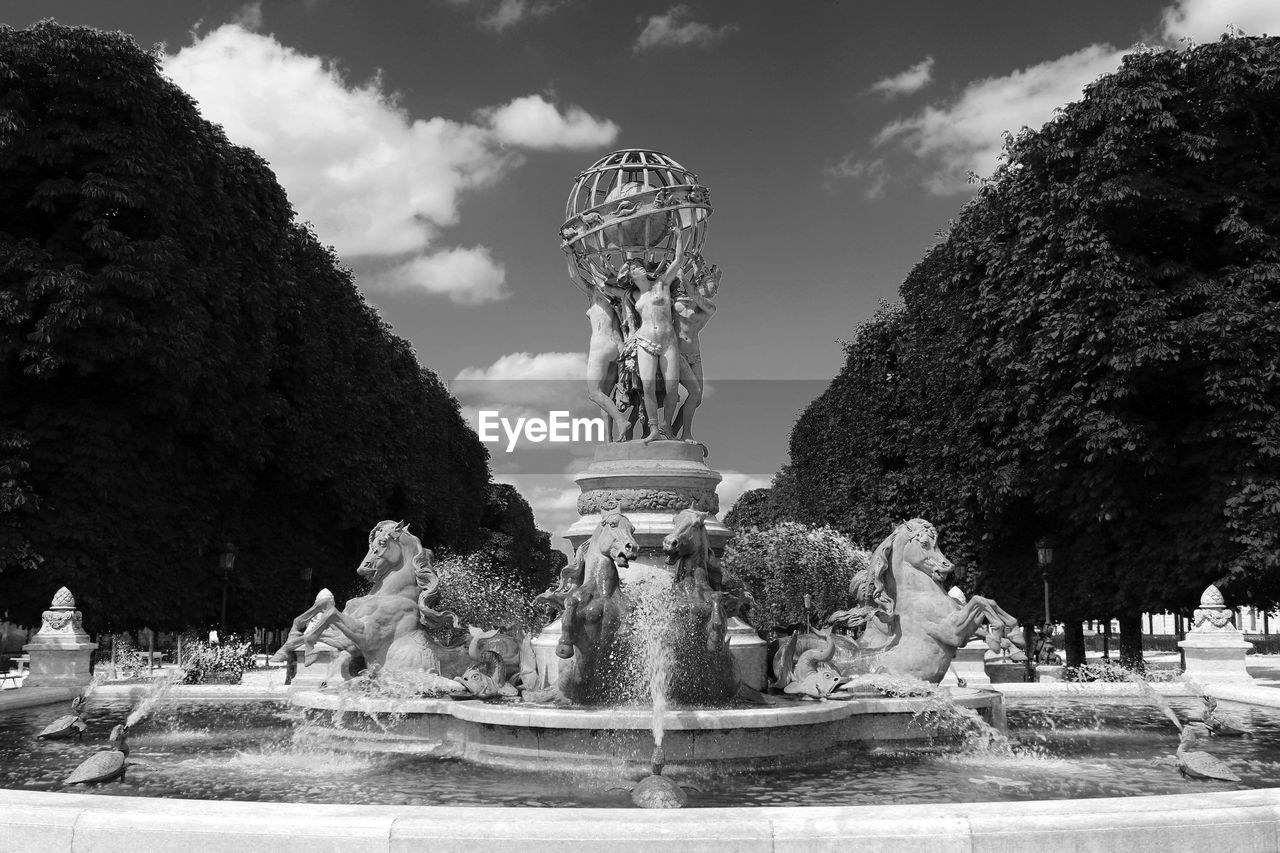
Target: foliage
{"points": [[753, 509], [182, 365], [511, 539], [226, 661], [1092, 354], [486, 594], [126, 658], [783, 564]]}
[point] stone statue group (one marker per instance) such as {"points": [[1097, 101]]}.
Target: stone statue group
{"points": [[645, 323]]}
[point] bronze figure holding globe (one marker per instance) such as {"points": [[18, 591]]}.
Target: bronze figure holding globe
{"points": [[636, 221]]}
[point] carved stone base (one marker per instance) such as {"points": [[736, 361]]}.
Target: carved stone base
{"points": [[649, 483], [1216, 656], [59, 664], [60, 651]]}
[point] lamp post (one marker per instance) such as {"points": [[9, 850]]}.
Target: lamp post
{"points": [[1044, 556], [227, 561]]}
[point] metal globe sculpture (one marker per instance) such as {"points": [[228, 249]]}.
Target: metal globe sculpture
{"points": [[632, 204]]}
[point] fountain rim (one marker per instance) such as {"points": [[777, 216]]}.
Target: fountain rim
{"points": [[1237, 820]]}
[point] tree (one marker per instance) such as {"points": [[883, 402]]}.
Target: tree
{"points": [[754, 508], [181, 365], [1094, 354]]}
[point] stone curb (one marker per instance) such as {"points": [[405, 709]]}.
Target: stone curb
{"points": [[1239, 821]]}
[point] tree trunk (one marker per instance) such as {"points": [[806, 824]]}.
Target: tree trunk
{"points": [[1073, 639], [1131, 640]]}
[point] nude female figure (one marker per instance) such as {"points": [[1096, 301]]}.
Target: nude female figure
{"points": [[608, 301], [656, 344], [693, 308]]}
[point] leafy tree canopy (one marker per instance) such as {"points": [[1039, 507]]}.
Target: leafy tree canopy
{"points": [[181, 365], [1092, 354]]}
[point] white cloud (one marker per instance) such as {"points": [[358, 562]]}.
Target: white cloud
{"points": [[912, 80], [873, 172], [527, 385], [249, 16], [734, 484], [377, 184], [531, 122], [467, 276], [677, 28], [553, 499], [965, 135], [500, 15], [531, 366], [1207, 20]]}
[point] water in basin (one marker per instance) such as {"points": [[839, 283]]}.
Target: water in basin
{"points": [[1060, 750]]}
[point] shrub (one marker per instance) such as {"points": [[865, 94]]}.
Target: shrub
{"points": [[783, 564], [227, 661]]}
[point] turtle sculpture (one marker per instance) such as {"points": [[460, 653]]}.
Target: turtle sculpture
{"points": [[1197, 764], [656, 791], [106, 764], [1216, 724], [68, 725]]}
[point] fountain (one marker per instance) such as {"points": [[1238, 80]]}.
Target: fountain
{"points": [[652, 665], [616, 676]]}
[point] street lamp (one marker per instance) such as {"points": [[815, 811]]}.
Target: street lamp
{"points": [[227, 561], [1044, 555]]}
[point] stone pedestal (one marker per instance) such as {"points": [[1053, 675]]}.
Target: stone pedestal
{"points": [[970, 665], [61, 651], [1215, 648], [545, 661], [750, 653], [650, 483], [320, 671]]}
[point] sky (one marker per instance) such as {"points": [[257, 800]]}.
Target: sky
{"points": [[433, 143]]}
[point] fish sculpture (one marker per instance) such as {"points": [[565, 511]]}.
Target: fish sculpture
{"points": [[812, 675]]}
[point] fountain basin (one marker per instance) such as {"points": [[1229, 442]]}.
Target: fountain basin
{"points": [[779, 735]]}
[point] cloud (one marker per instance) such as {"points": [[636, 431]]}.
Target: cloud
{"points": [[1207, 20], [500, 15], [677, 28], [523, 384], [531, 122], [467, 276], [377, 184], [526, 366], [912, 80], [249, 16], [965, 134], [873, 172], [553, 499], [734, 484]]}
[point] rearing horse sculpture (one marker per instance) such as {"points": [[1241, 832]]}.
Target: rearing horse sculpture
{"points": [[592, 601], [916, 627], [697, 572], [388, 627]]}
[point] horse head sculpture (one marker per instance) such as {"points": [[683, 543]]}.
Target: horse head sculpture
{"points": [[389, 542]]}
